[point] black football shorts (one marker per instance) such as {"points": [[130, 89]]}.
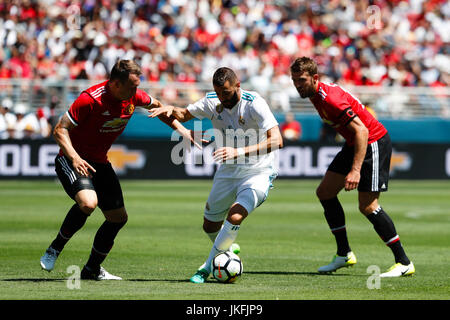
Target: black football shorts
{"points": [[104, 182], [375, 168]]}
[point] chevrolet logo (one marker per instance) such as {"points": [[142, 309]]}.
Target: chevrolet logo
{"points": [[122, 159], [115, 123], [400, 161]]}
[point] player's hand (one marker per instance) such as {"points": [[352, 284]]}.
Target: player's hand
{"points": [[165, 111], [195, 137], [352, 180], [82, 167], [224, 154]]}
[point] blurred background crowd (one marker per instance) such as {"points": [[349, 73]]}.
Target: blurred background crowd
{"points": [[370, 43]]}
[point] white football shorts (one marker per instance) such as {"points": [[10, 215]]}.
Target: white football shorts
{"points": [[249, 191]]}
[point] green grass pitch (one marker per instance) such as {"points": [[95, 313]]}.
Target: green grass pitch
{"points": [[283, 243]]}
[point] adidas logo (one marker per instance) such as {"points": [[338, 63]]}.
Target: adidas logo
{"points": [[383, 186], [106, 113], [377, 210]]}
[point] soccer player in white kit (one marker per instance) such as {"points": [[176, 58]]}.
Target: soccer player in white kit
{"points": [[247, 137]]}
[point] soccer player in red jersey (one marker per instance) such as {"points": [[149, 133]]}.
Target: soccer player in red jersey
{"points": [[85, 133], [362, 164]]}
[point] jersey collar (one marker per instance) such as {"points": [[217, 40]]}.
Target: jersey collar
{"points": [[316, 95]]}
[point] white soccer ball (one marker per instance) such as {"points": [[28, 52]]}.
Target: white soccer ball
{"points": [[226, 267]]}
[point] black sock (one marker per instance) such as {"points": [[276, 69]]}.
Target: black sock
{"points": [[334, 214], [385, 228], [103, 242], [74, 221]]}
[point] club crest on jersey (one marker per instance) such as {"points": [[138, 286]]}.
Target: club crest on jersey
{"points": [[241, 120], [219, 108], [129, 109]]}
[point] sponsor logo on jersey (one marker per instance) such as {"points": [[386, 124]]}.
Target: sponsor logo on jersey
{"points": [[114, 125]]}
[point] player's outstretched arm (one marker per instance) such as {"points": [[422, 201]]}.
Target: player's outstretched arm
{"points": [[172, 116], [181, 114], [61, 134]]}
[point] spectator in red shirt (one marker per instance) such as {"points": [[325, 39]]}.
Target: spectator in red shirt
{"points": [[291, 129]]}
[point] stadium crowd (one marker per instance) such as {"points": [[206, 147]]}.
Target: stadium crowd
{"points": [[373, 43]]}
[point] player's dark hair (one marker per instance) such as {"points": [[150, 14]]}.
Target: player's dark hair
{"points": [[304, 64], [223, 75], [122, 70]]}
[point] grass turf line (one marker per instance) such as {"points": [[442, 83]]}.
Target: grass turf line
{"points": [[283, 243]]}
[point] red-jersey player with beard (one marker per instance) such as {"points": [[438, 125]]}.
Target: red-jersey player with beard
{"points": [[363, 163], [85, 133]]}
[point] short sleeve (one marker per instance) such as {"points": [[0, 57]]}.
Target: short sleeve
{"points": [[143, 99], [80, 108], [262, 114], [341, 109], [200, 109]]}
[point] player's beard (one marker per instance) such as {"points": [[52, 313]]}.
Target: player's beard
{"points": [[231, 102], [306, 92]]}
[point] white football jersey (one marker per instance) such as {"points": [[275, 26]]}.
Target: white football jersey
{"points": [[243, 125]]}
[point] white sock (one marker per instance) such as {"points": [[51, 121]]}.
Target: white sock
{"points": [[213, 235], [223, 241]]}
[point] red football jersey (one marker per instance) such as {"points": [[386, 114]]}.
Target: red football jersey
{"points": [[338, 107], [99, 119]]}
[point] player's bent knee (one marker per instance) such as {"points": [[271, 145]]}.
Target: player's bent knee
{"points": [[116, 216], [238, 211], [236, 218], [88, 206], [87, 201], [123, 218], [320, 192], [211, 226], [367, 209], [247, 201], [323, 194]]}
